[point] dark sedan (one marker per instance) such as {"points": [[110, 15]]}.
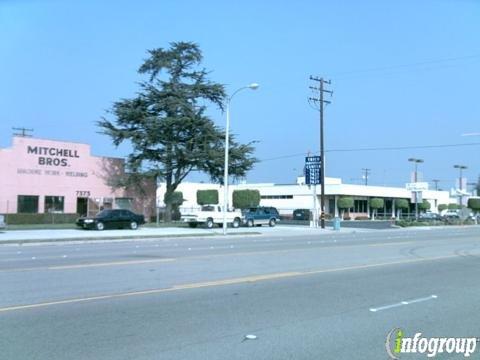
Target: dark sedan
{"points": [[112, 219]]}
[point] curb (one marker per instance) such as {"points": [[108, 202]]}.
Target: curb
{"points": [[121, 238]]}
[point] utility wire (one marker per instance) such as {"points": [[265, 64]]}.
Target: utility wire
{"points": [[387, 148], [405, 66]]}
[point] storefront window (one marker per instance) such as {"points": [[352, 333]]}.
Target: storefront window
{"points": [[360, 206], [27, 204], [54, 204]]}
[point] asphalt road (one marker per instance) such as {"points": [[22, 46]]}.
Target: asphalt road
{"points": [[333, 296]]}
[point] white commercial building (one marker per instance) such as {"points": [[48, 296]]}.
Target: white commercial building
{"points": [[288, 197]]}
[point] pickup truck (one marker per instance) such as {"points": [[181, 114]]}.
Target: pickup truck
{"points": [[211, 215]]}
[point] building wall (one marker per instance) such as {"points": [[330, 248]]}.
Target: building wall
{"points": [[287, 198], [43, 168]]}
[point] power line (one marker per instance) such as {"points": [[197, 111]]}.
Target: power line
{"points": [[387, 148], [406, 66]]}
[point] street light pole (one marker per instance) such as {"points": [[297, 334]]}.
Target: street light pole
{"points": [[252, 86], [415, 180], [460, 168]]}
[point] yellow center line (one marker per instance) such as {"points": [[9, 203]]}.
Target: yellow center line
{"points": [[112, 263], [91, 265], [224, 282]]}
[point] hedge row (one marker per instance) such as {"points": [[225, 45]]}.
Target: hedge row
{"points": [[48, 218]]}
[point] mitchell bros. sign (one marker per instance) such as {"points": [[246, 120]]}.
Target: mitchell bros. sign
{"points": [[52, 156]]}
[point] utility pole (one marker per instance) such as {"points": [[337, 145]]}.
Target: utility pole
{"points": [[436, 181], [320, 102], [23, 132], [366, 172]]}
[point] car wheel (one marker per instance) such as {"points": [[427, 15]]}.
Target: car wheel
{"points": [[236, 223], [192, 225], [209, 223], [100, 226], [133, 225], [272, 222], [250, 223]]}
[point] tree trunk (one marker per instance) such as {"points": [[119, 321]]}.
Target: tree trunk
{"points": [[168, 212]]}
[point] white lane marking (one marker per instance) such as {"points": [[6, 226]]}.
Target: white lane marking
{"points": [[403, 303]]}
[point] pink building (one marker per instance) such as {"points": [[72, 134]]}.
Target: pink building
{"points": [[39, 175]]}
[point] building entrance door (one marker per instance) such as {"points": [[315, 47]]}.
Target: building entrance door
{"points": [[82, 206]]}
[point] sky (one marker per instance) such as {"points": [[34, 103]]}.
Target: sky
{"points": [[404, 75]]}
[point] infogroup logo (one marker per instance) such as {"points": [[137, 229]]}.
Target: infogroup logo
{"points": [[397, 343]]}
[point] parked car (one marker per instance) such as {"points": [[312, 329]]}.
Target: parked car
{"points": [[302, 214], [261, 216], [429, 216], [2, 222], [211, 215], [112, 219], [451, 215]]}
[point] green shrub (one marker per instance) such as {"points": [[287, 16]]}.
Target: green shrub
{"points": [[46, 218], [454, 207], [377, 203], [401, 204], [424, 205], [345, 203], [207, 197], [243, 199], [442, 207], [176, 198], [474, 204]]}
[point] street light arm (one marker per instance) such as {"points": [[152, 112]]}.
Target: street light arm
{"points": [[253, 86]]}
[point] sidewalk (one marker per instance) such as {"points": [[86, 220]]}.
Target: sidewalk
{"points": [[61, 235]]}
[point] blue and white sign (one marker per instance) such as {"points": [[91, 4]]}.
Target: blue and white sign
{"points": [[313, 170]]}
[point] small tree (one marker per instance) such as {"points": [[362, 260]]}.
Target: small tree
{"points": [[207, 197], [424, 205], [344, 203], [453, 206], [375, 204], [442, 207], [474, 204], [243, 199], [400, 205]]}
